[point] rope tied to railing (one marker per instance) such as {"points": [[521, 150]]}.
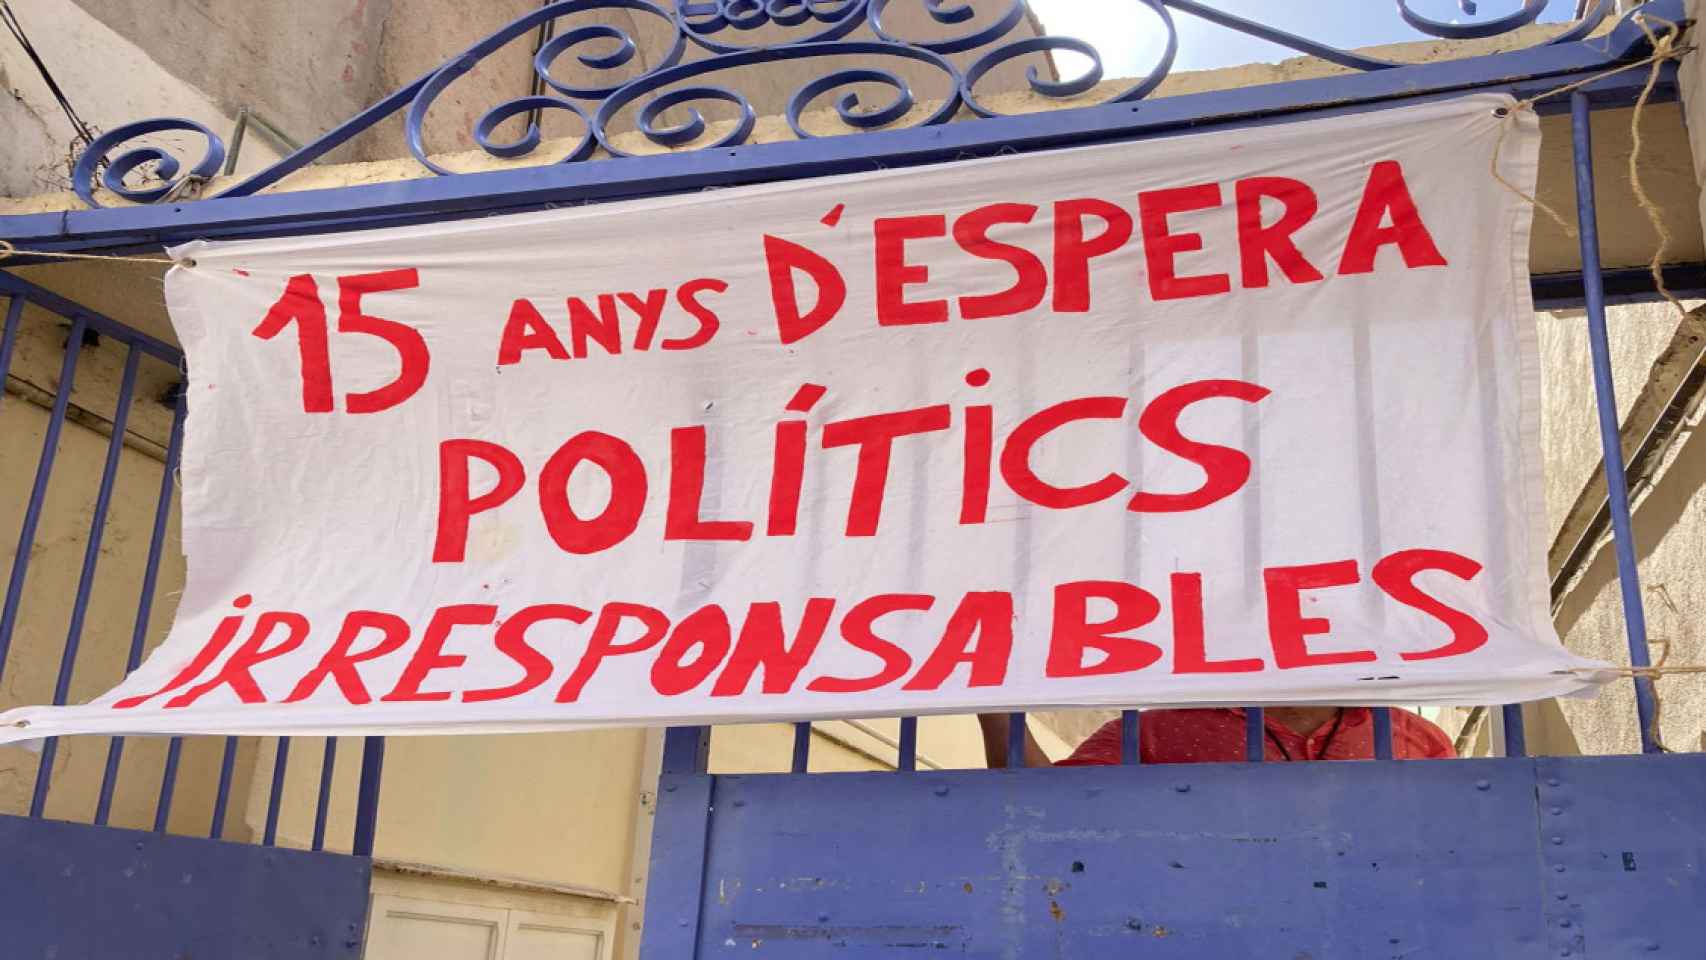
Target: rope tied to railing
{"points": [[7, 251], [1650, 674], [1665, 48]]}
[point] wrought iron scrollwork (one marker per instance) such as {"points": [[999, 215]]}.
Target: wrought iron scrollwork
{"points": [[165, 165], [824, 20], [652, 78]]}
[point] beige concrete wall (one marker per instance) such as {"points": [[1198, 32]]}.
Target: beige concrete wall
{"points": [[551, 808], [305, 66], [1670, 532], [1670, 520], [55, 562]]}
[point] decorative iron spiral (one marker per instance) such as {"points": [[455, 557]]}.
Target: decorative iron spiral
{"points": [[547, 56], [166, 166], [734, 33]]}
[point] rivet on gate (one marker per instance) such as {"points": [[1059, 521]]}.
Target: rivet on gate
{"points": [[1564, 922], [1561, 895], [1182, 787], [1551, 781], [941, 791], [1557, 811], [1483, 784], [740, 803], [1558, 868], [1557, 841]]}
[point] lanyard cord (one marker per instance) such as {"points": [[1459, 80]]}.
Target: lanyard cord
{"points": [[1338, 720]]}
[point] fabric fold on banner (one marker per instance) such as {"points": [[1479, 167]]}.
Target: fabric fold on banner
{"points": [[1240, 417]]}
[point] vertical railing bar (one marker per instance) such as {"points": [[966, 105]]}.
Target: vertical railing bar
{"points": [[367, 796], [1016, 731], [9, 337], [1516, 740], [280, 763], [109, 779], [328, 765], [86, 581], [227, 767], [906, 758], [1255, 735], [802, 746], [1130, 755], [168, 784], [38, 492], [44, 777], [1610, 434], [145, 602], [1382, 733]]}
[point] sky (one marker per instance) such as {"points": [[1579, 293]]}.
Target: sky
{"points": [[1133, 49]]}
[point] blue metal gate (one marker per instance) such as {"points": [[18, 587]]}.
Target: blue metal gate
{"points": [[1496, 858], [164, 894]]}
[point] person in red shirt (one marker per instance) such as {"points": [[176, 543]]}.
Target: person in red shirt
{"points": [[1219, 736]]}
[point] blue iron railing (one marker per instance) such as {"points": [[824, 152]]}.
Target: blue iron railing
{"points": [[138, 348], [732, 34]]}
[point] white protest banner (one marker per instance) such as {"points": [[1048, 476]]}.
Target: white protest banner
{"points": [[1239, 417]]}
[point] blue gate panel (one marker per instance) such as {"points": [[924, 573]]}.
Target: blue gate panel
{"points": [[1320, 861], [70, 890], [1624, 843]]}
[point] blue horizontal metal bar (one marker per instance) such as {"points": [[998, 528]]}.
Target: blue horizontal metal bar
{"points": [[1564, 291], [1522, 73], [38, 492], [15, 286], [275, 798], [86, 577], [1610, 434]]}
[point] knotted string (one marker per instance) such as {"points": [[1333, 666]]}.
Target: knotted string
{"points": [[1665, 48]]}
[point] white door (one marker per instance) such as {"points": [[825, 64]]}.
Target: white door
{"points": [[545, 936], [428, 928], [402, 928]]}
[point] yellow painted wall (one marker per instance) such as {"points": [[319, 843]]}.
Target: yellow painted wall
{"points": [[49, 590]]}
